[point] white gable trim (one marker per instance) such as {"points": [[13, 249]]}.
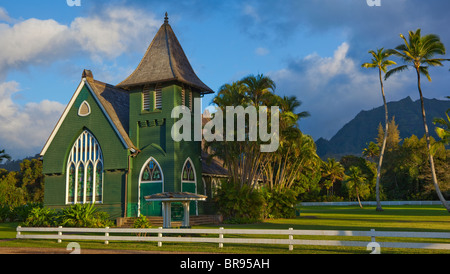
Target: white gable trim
{"points": [[67, 109]]}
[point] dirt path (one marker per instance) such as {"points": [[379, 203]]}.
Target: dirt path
{"points": [[35, 250]]}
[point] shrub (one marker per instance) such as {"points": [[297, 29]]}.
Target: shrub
{"points": [[141, 222], [20, 213], [239, 204], [40, 217], [85, 215], [279, 203], [5, 213]]}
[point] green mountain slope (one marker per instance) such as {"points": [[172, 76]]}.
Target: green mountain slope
{"points": [[353, 137]]}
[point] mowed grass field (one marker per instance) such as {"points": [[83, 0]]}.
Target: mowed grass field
{"points": [[393, 218]]}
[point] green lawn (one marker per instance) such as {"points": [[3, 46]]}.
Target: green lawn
{"points": [[393, 218]]}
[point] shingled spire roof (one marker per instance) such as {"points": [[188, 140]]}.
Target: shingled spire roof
{"points": [[164, 61]]}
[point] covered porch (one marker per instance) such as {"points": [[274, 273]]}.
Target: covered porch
{"points": [[167, 198]]}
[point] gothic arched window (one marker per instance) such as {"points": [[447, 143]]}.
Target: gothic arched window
{"points": [[84, 181], [152, 172], [188, 174]]}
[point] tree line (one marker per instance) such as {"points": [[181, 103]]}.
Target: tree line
{"points": [[270, 185]]}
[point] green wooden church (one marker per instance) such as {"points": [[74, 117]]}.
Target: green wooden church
{"points": [[112, 145]]}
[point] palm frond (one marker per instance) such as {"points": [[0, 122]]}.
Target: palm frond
{"points": [[369, 65], [395, 70], [424, 70], [434, 62]]}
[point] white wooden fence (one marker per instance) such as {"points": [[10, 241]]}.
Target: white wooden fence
{"points": [[217, 236], [371, 203]]}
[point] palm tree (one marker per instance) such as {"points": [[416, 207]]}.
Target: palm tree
{"points": [[372, 151], [333, 171], [243, 158], [381, 62], [418, 52], [258, 87], [3, 156], [290, 104], [355, 181]]}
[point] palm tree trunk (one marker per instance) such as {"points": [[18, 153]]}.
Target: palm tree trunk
{"points": [[383, 147], [433, 172], [357, 196]]}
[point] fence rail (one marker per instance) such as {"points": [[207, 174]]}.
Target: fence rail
{"points": [[160, 236], [371, 203]]}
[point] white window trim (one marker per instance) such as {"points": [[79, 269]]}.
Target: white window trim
{"points": [[89, 109]]}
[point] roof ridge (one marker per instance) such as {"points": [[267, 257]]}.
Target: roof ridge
{"points": [[168, 47]]}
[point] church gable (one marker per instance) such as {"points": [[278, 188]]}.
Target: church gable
{"points": [[96, 108]]}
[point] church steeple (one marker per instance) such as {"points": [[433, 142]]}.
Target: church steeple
{"points": [[165, 61]]}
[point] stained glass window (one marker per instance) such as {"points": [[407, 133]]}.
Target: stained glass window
{"points": [[85, 171], [99, 182], [80, 185], [71, 187], [152, 172], [188, 172], [89, 182]]}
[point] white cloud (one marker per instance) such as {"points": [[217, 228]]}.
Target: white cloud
{"points": [[249, 10], [24, 129], [333, 89], [30, 42], [114, 31], [261, 51], [4, 15], [106, 35]]}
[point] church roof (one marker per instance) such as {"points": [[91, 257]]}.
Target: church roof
{"points": [[164, 61], [115, 101]]}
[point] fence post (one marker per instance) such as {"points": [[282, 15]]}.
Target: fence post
{"points": [[106, 235], [291, 237], [59, 234], [221, 237], [372, 237], [18, 232], [160, 236]]}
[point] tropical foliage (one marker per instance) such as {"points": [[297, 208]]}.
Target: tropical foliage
{"points": [[24, 186], [257, 177], [443, 130], [356, 184], [78, 215]]}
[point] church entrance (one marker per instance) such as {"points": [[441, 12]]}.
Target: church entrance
{"points": [[151, 182], [150, 208]]}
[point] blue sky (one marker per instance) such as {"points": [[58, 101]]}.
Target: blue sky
{"points": [[311, 48]]}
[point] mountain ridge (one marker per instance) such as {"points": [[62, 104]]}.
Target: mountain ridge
{"points": [[354, 136]]}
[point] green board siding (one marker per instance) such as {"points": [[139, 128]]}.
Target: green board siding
{"points": [[115, 155], [150, 132], [55, 158]]}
